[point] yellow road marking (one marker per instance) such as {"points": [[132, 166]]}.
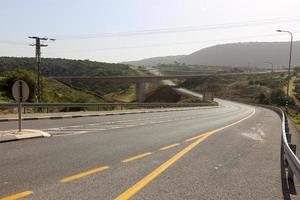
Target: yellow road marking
{"points": [[17, 196], [147, 179], [83, 174], [136, 157], [169, 147], [194, 138]]}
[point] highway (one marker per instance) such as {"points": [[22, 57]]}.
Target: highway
{"points": [[227, 152]]}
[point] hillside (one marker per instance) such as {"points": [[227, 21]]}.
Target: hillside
{"points": [[234, 55], [263, 89], [67, 67], [53, 91]]}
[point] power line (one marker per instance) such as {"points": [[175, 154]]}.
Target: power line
{"points": [[180, 29], [165, 44], [168, 30], [12, 42]]}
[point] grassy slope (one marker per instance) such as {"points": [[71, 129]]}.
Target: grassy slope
{"points": [[68, 67], [60, 93], [293, 113], [127, 95]]}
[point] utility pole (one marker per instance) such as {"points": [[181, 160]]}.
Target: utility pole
{"points": [[38, 70]]}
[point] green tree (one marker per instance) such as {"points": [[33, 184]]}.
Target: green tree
{"points": [[12, 76]]}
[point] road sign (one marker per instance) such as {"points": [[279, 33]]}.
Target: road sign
{"points": [[20, 91]]}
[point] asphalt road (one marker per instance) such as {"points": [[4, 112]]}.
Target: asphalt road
{"points": [[230, 152]]}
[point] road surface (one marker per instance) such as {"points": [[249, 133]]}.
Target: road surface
{"points": [[230, 152]]}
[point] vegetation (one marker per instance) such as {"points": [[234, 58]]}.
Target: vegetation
{"points": [[67, 67], [53, 91], [262, 89], [127, 95], [9, 78], [183, 69], [294, 111]]}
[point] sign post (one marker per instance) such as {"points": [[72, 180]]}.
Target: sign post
{"points": [[20, 91]]}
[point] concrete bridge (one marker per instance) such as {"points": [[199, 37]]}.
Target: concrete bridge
{"points": [[141, 81]]}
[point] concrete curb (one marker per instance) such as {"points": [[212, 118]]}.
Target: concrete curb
{"points": [[29, 134], [103, 114]]}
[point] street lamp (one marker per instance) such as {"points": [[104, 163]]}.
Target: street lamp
{"points": [[290, 60]]}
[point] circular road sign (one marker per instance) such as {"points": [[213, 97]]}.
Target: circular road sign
{"points": [[20, 91]]}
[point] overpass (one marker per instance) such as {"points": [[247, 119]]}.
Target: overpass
{"points": [[149, 78], [140, 81]]}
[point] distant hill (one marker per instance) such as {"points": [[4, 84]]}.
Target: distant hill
{"points": [[155, 61], [234, 55]]}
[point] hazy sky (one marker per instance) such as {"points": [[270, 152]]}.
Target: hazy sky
{"points": [[119, 30]]}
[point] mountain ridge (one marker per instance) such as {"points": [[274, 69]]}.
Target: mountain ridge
{"points": [[242, 54]]}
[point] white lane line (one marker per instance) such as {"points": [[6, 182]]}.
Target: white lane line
{"points": [[116, 127], [130, 125], [66, 129], [120, 121], [83, 131], [69, 134], [97, 129]]}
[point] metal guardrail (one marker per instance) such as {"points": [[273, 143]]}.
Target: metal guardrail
{"points": [[99, 105], [292, 161]]}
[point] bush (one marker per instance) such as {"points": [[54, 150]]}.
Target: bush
{"points": [[251, 82], [296, 70], [263, 99], [12, 76], [278, 97]]}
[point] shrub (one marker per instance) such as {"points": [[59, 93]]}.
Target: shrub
{"points": [[278, 97], [12, 76], [263, 99]]}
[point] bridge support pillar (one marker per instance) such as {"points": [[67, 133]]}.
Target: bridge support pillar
{"points": [[140, 92]]}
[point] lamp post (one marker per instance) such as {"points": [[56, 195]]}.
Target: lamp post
{"points": [[290, 60]]}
